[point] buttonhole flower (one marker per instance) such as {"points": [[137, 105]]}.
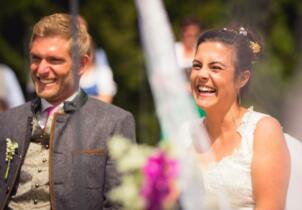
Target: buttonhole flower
{"points": [[11, 147]]}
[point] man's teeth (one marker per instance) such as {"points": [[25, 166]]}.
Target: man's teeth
{"points": [[206, 89], [46, 81]]}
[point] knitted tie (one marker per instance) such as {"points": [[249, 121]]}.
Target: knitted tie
{"points": [[49, 112]]}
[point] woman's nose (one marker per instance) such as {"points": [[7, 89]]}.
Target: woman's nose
{"points": [[203, 73]]}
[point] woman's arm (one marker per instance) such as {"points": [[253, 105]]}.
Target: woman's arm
{"points": [[270, 166]]}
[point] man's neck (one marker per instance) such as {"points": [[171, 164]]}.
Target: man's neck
{"points": [[46, 103]]}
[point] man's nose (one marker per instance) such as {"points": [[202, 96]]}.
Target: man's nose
{"points": [[43, 67]]}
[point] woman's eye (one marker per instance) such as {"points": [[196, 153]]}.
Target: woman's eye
{"points": [[216, 68], [196, 66]]}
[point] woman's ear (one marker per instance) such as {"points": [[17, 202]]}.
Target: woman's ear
{"points": [[244, 78], [84, 64]]}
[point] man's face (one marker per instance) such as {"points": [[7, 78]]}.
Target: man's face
{"points": [[51, 69]]}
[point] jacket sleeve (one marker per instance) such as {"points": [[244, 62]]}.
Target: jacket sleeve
{"points": [[126, 128]]}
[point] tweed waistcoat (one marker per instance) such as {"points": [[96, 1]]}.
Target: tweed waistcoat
{"points": [[33, 189]]}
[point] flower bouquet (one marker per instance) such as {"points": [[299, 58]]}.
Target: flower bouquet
{"points": [[149, 175]]}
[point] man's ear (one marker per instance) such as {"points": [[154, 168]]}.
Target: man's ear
{"points": [[84, 64], [244, 78]]}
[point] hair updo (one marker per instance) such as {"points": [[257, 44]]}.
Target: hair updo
{"points": [[244, 41]]}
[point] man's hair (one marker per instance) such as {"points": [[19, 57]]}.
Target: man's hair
{"points": [[65, 26]]}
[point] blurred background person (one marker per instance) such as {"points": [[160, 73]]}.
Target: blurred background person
{"points": [[185, 50], [11, 94], [97, 79]]}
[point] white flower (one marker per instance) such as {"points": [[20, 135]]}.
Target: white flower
{"points": [[11, 147], [118, 145]]}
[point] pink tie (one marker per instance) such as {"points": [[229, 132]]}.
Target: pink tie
{"points": [[48, 111]]}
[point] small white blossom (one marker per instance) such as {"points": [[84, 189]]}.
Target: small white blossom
{"points": [[11, 148]]}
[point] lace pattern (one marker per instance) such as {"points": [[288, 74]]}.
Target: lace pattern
{"points": [[230, 178]]}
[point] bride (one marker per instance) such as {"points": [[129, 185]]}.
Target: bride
{"points": [[249, 159]]}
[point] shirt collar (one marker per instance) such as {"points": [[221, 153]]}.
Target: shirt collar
{"points": [[45, 104]]}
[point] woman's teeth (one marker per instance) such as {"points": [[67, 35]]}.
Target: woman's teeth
{"points": [[206, 89]]}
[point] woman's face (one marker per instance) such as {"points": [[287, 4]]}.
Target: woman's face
{"points": [[213, 75]]}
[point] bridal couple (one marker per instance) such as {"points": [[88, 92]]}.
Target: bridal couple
{"points": [[53, 151]]}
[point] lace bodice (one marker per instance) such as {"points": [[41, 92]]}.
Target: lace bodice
{"points": [[228, 182]]}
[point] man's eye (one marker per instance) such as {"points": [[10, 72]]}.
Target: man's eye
{"points": [[55, 60], [34, 59]]}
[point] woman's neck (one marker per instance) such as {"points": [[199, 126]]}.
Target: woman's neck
{"points": [[219, 122]]}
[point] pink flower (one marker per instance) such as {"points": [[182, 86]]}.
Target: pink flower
{"points": [[159, 174]]}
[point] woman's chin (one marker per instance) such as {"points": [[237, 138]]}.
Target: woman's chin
{"points": [[205, 103]]}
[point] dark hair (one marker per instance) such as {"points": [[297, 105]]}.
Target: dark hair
{"points": [[245, 42], [241, 39], [188, 21]]}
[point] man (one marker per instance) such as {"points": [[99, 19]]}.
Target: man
{"points": [[53, 152]]}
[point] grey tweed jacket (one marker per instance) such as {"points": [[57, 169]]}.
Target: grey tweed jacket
{"points": [[80, 169]]}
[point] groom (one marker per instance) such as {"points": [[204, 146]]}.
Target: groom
{"points": [[53, 151]]}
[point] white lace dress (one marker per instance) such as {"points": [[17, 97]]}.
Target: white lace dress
{"points": [[228, 184]]}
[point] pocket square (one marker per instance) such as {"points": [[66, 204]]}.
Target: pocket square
{"points": [[90, 152]]}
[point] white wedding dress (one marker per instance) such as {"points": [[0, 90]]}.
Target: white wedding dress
{"points": [[227, 183]]}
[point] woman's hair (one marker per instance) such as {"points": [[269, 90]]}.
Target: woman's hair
{"points": [[65, 26], [244, 41]]}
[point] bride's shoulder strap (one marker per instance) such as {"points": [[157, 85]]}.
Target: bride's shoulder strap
{"points": [[247, 127]]}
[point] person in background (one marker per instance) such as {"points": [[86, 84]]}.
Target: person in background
{"points": [[11, 94], [248, 160], [53, 150], [97, 79], [185, 50]]}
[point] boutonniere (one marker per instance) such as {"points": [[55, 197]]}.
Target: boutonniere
{"points": [[11, 147]]}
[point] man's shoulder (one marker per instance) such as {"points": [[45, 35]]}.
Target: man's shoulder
{"points": [[105, 109], [18, 111]]}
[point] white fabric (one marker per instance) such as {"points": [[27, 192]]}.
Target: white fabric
{"points": [[13, 95], [228, 182], [182, 61], [294, 201], [100, 76], [231, 176]]}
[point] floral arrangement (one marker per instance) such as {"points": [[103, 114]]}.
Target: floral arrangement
{"points": [[149, 175], [11, 147]]}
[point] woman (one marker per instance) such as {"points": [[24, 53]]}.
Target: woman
{"points": [[248, 162]]}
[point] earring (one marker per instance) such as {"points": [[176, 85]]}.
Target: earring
{"points": [[239, 98]]}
